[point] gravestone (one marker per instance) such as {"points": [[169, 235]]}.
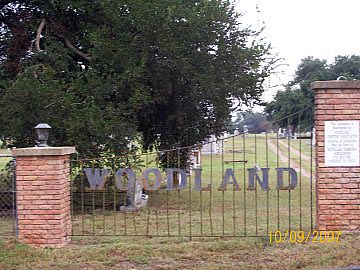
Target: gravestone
{"points": [[135, 198]]}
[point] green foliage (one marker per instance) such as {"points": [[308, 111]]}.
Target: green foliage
{"points": [[298, 94], [256, 122], [347, 66], [310, 70], [106, 73], [286, 103]]}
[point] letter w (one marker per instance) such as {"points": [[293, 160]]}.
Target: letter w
{"points": [[96, 179]]}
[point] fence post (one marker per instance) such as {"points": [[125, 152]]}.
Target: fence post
{"points": [[43, 195], [337, 154]]}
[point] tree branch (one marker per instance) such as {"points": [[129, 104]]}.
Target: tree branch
{"points": [[38, 35], [60, 35], [76, 50]]}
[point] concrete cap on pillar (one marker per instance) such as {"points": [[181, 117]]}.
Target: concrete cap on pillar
{"points": [[43, 151], [335, 85]]}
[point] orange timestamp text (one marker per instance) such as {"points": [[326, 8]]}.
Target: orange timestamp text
{"points": [[304, 237]]}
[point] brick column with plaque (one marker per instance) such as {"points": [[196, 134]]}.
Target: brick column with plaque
{"points": [[43, 195], [337, 118]]}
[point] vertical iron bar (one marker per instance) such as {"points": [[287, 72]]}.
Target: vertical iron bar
{"points": [[148, 204], [104, 198], [201, 197], [311, 172], [289, 192], [93, 202], [278, 191], [300, 172], [93, 212], [157, 199], [211, 187], [244, 182], [14, 205], [256, 206], [190, 213], [82, 198], [201, 214], [178, 195], [72, 196], [167, 196], [233, 198], [125, 203], [223, 192], [114, 196], [267, 192], [133, 199]]}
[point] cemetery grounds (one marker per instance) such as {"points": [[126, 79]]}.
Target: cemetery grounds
{"points": [[225, 221]]}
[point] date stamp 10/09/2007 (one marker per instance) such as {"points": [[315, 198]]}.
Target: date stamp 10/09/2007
{"points": [[280, 237]]}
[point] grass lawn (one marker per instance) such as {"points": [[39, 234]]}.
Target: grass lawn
{"points": [[180, 253]]}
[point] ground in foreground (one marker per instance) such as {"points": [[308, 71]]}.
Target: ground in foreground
{"points": [[180, 253]]}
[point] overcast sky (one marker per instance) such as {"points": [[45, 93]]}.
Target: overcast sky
{"points": [[300, 28]]}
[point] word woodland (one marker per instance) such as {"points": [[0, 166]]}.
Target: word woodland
{"points": [[97, 179]]}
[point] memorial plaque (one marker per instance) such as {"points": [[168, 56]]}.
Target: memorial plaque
{"points": [[341, 143]]}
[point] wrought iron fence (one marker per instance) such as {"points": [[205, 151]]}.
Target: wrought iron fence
{"points": [[242, 185], [7, 197]]}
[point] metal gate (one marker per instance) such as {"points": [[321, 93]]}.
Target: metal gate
{"points": [[7, 197], [242, 185]]}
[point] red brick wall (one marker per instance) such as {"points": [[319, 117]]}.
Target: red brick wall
{"points": [[338, 188], [43, 200]]}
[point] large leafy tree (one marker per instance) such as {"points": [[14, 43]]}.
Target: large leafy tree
{"points": [[282, 111], [298, 94], [103, 73]]}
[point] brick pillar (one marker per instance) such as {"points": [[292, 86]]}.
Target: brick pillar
{"points": [[337, 187], [43, 195]]}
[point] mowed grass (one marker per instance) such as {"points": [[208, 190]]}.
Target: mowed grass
{"points": [[179, 253], [187, 219]]}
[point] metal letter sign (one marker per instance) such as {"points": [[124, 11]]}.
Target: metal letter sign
{"points": [[341, 143], [198, 185], [170, 179], [280, 178], [98, 179], [253, 173], [229, 173], [157, 184], [119, 176]]}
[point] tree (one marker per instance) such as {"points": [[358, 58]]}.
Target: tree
{"points": [[104, 73], [286, 103], [347, 66], [298, 94], [309, 70], [256, 122]]}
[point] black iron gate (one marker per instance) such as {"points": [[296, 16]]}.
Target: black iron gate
{"points": [[7, 197], [242, 185]]}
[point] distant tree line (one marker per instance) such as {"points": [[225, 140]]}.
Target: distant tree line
{"points": [[298, 94]]}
